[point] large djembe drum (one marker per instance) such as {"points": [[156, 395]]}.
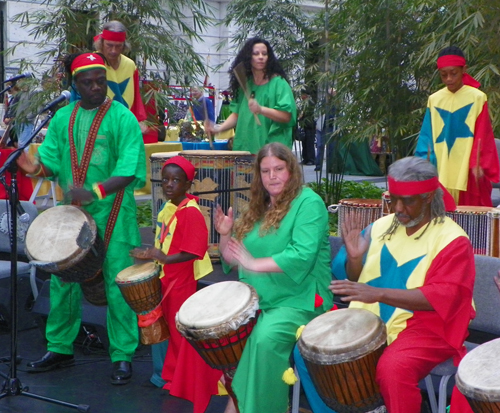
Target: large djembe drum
{"points": [[63, 241], [217, 321], [478, 377], [140, 286], [213, 184], [365, 210], [158, 198], [341, 350]]}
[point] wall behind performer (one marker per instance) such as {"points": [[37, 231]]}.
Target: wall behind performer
{"points": [[457, 135], [117, 162], [272, 100], [415, 269], [280, 245], [181, 241]]}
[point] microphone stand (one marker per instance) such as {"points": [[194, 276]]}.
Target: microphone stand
{"points": [[12, 386]]}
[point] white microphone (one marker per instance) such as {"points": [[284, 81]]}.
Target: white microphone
{"points": [[21, 76], [65, 95], [23, 215]]}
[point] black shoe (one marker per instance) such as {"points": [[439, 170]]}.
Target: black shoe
{"points": [[310, 163], [122, 372], [318, 168], [50, 361]]}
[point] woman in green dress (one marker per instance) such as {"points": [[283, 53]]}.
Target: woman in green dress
{"points": [[280, 245], [270, 114]]}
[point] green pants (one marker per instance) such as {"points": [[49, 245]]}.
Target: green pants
{"points": [[258, 383], [63, 323]]}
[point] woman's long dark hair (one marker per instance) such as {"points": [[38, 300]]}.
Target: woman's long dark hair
{"points": [[273, 67]]}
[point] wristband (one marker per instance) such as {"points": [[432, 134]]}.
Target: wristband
{"points": [[99, 191]]}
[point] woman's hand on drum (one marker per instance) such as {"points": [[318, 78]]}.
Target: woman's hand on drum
{"points": [[240, 254], [223, 223], [80, 195], [354, 291]]}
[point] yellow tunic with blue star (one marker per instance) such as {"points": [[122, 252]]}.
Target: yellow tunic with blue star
{"points": [[456, 136]]}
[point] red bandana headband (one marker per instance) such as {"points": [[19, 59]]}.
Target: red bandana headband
{"points": [[111, 36], [182, 163], [87, 61], [412, 188], [454, 60]]}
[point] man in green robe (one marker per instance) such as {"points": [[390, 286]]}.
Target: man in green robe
{"points": [[109, 135]]}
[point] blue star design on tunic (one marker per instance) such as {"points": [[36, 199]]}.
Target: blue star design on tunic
{"points": [[118, 89], [393, 276], [454, 126]]}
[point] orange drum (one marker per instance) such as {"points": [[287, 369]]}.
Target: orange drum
{"points": [[217, 321], [63, 241], [478, 379], [341, 350], [140, 286]]}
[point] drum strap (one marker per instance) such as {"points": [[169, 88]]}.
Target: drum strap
{"points": [[80, 171], [115, 209]]}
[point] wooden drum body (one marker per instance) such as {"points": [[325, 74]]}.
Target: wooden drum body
{"points": [[140, 286], [217, 321], [367, 210], [213, 182], [63, 241], [158, 198], [341, 350], [478, 377]]}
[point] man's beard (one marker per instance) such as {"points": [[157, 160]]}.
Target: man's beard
{"points": [[415, 221]]}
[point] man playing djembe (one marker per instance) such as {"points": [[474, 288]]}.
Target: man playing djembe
{"points": [[414, 269]]}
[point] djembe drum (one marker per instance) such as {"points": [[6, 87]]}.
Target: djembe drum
{"points": [[158, 198], [366, 210], [214, 172], [242, 179], [478, 377], [140, 286], [341, 350], [63, 241], [217, 321]]}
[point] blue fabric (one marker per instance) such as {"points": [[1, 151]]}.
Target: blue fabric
{"points": [[158, 354]]}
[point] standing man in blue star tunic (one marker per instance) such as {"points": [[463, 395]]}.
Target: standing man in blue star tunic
{"points": [[457, 136]]}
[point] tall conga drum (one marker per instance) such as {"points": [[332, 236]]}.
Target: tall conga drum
{"points": [[63, 240], [366, 210], [213, 185], [217, 321], [158, 198], [478, 377], [140, 286], [341, 350]]}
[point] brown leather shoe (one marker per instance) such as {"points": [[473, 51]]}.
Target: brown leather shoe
{"points": [[50, 361], [122, 372]]}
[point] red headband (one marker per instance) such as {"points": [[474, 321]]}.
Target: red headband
{"points": [[111, 36], [454, 60], [182, 163], [412, 188]]}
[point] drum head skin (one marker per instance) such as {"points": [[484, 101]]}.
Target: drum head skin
{"points": [[213, 154], [342, 335], [215, 304], [137, 272], [162, 156], [55, 235], [478, 375]]}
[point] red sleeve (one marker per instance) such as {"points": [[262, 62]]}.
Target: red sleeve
{"points": [[448, 287], [138, 107], [484, 142], [193, 230]]}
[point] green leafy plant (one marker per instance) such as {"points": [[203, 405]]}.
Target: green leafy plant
{"points": [[144, 214]]}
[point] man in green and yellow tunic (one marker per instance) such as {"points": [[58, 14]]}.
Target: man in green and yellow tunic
{"points": [[108, 134]]}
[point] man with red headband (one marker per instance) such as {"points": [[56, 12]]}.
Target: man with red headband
{"points": [[415, 270], [94, 148], [122, 73], [457, 136]]}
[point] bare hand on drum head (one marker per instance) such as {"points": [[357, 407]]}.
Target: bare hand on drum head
{"points": [[240, 254], [144, 254], [223, 223], [80, 195], [354, 291], [356, 242]]}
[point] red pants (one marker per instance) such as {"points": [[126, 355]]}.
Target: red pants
{"points": [[405, 362]]}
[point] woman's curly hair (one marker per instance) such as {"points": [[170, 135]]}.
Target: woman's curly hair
{"points": [[259, 207], [273, 67]]}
